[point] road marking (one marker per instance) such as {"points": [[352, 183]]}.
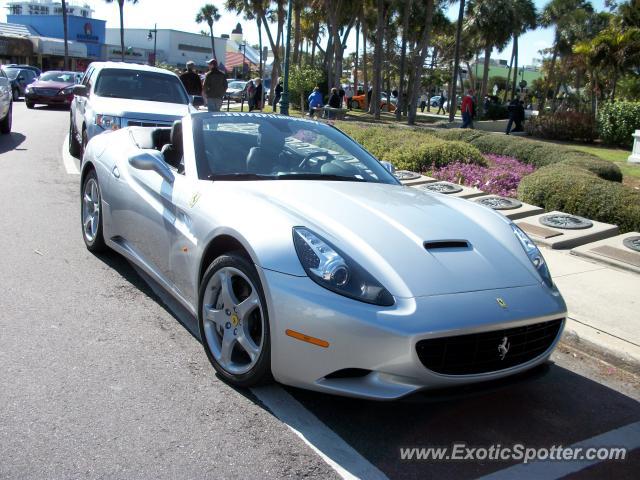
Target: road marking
{"points": [[70, 163], [627, 436], [338, 454]]}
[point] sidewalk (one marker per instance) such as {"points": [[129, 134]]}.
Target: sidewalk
{"points": [[603, 304]]}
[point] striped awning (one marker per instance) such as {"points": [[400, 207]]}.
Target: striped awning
{"points": [[234, 59]]}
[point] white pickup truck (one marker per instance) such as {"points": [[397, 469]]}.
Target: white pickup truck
{"points": [[6, 103]]}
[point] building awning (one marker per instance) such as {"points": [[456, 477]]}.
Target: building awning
{"points": [[15, 46], [234, 59], [55, 46]]}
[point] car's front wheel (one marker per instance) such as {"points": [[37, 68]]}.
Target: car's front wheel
{"points": [[29, 104], [5, 123], [234, 323], [74, 145], [91, 213]]}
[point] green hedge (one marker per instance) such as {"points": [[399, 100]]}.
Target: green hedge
{"points": [[575, 190], [410, 149], [617, 121], [563, 126]]}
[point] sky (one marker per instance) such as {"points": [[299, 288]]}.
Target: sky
{"points": [[180, 15]]}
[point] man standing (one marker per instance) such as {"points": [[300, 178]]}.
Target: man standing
{"points": [[191, 80], [348, 93], [467, 110], [441, 102], [215, 86], [278, 95]]}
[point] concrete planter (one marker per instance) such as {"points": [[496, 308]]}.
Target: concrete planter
{"points": [[635, 153]]}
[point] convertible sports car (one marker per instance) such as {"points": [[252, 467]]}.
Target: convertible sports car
{"points": [[306, 261]]}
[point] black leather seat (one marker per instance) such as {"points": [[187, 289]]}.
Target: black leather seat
{"points": [[264, 158], [173, 152]]}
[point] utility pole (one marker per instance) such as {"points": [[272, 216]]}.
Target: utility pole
{"points": [[154, 34], [284, 100]]}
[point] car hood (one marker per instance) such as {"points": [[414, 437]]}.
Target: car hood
{"points": [[384, 228], [48, 84], [140, 109]]}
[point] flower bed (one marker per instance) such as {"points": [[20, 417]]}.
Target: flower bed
{"points": [[501, 176]]}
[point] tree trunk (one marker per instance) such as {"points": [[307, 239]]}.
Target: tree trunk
{"points": [[364, 66], [276, 53], [507, 87], [316, 28], [259, 22], [515, 66], [297, 7], [213, 44], [485, 72], [374, 108], [456, 61], [66, 34], [550, 78], [418, 61], [121, 5], [355, 73], [403, 57]]}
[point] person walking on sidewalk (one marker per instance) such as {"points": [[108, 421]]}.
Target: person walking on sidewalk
{"points": [[441, 101], [191, 80], [511, 108], [214, 87], [467, 110], [277, 95], [258, 96]]}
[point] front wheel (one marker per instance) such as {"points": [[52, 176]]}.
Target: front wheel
{"points": [[91, 214], [29, 104], [5, 124], [234, 323], [74, 145]]}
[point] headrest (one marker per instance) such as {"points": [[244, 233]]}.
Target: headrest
{"points": [[176, 134]]}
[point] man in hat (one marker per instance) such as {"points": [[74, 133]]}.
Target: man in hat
{"points": [[214, 87], [191, 80]]}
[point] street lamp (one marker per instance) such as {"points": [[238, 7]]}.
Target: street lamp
{"points": [[284, 99], [243, 48], [153, 34]]}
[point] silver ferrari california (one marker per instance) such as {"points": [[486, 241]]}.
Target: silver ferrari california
{"points": [[306, 261]]}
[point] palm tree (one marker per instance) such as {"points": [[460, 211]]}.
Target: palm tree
{"points": [[525, 18], [249, 8], [121, 7], [456, 60], [209, 14], [66, 34], [406, 15]]}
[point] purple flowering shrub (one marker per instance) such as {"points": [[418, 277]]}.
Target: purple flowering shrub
{"points": [[501, 176]]}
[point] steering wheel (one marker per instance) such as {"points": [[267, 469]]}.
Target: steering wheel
{"points": [[304, 164]]}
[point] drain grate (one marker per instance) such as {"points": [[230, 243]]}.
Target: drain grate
{"points": [[632, 243], [442, 187], [565, 222], [406, 175], [499, 203]]}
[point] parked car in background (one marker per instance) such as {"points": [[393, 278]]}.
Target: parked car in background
{"points": [[114, 95], [357, 101], [51, 88], [20, 77], [435, 100], [236, 90], [78, 76], [6, 103]]}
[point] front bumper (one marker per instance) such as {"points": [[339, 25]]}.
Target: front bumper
{"points": [[48, 100], [378, 344]]}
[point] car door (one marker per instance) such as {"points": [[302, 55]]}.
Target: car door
{"points": [[5, 94], [81, 102]]}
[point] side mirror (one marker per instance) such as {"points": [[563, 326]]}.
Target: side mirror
{"points": [[197, 101], [388, 166], [151, 160], [80, 90]]}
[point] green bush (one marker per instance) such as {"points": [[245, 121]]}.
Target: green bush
{"points": [[496, 111], [464, 134], [562, 126], [617, 122], [575, 190], [602, 168], [410, 149]]}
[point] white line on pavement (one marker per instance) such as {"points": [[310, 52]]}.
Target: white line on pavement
{"points": [[338, 454], [70, 163], [627, 436]]}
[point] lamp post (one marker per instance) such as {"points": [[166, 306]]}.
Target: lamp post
{"points": [[153, 34], [284, 99], [243, 47]]}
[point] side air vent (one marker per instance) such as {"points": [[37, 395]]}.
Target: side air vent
{"points": [[446, 244]]}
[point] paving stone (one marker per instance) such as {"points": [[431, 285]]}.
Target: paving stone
{"points": [[452, 189], [621, 251], [512, 208], [577, 231]]}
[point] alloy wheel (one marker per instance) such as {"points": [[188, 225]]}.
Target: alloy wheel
{"points": [[90, 209], [233, 320]]}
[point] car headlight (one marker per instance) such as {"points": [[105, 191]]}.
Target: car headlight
{"points": [[534, 255], [334, 270], [108, 122], [66, 91], [27, 89]]}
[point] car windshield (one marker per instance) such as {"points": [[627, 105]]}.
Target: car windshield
{"points": [[237, 85], [241, 146], [12, 73], [140, 85], [65, 77]]}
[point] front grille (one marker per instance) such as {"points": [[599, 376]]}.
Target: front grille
{"points": [[139, 123], [481, 352], [47, 92]]}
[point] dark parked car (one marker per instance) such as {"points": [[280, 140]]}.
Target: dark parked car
{"points": [[20, 77], [51, 88]]}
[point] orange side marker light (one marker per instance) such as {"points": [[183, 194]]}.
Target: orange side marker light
{"points": [[306, 338]]}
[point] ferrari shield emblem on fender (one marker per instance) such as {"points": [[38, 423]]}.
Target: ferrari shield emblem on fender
{"points": [[194, 199], [501, 302]]}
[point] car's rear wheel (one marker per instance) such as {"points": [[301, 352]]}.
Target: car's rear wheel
{"points": [[5, 123], [234, 323], [29, 104], [74, 145], [91, 213]]}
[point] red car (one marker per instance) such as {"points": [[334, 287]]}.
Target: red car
{"points": [[51, 88]]}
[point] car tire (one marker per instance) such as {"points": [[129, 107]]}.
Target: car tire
{"points": [[91, 213], [5, 123], [16, 95], [29, 104], [74, 145], [241, 328], [355, 104]]}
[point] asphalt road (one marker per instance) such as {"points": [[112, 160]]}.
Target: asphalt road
{"points": [[103, 376]]}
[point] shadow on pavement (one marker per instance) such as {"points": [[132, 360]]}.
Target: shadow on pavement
{"points": [[11, 141]]}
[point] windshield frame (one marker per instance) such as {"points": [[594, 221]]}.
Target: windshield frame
{"points": [[351, 148], [128, 71]]}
